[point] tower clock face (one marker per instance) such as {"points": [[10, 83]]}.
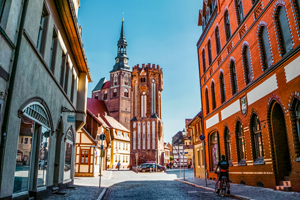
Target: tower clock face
{"points": [[117, 60], [125, 60]]}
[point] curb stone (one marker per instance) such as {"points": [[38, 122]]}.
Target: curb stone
{"points": [[102, 194], [210, 189]]}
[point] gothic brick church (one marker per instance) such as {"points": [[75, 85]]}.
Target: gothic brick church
{"points": [[134, 99]]}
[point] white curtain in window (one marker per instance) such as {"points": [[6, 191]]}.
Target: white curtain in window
{"points": [[133, 139], [148, 135], [153, 135], [144, 136], [139, 135]]}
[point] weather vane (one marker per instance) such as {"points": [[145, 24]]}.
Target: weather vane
{"points": [[122, 16]]}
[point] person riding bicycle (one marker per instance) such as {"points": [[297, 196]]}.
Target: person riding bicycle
{"points": [[223, 165]]}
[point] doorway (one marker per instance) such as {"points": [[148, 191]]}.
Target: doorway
{"points": [[280, 143]]}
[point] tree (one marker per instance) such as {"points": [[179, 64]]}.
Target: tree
{"points": [[171, 158]]}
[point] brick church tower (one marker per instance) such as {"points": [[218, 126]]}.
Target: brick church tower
{"points": [[147, 138], [116, 92]]}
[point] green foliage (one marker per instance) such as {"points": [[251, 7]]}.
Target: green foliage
{"points": [[171, 158]]}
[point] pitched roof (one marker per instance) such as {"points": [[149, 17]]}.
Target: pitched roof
{"points": [[106, 85], [96, 106], [100, 84], [114, 123]]}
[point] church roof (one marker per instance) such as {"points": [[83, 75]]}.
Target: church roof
{"points": [[96, 106], [100, 84], [106, 85]]}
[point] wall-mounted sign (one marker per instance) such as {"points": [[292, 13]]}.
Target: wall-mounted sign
{"points": [[71, 118], [244, 105]]}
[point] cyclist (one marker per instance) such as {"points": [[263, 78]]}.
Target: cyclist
{"points": [[223, 165]]}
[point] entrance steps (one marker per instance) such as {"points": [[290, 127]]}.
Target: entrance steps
{"points": [[285, 185]]}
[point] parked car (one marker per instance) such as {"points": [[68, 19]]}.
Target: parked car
{"points": [[147, 166]]}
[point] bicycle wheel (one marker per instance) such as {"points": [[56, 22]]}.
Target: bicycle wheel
{"points": [[223, 190]]}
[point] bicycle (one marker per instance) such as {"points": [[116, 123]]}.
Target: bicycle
{"points": [[223, 190]]}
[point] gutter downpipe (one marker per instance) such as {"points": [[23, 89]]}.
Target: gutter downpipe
{"points": [[10, 90]]}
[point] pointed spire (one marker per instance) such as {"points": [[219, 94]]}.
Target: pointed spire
{"points": [[122, 35]]}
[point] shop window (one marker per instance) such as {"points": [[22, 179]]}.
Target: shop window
{"points": [[241, 148], [68, 156], [203, 61], [213, 95], [247, 65], [256, 136], [214, 148], [227, 25], [126, 93], [218, 42], [209, 52], [265, 47], [41, 42], [284, 31], [233, 78], [85, 156], [240, 12], [105, 95], [43, 157], [115, 93], [222, 87], [227, 141], [206, 101]]}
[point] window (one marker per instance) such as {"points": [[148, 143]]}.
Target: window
{"points": [[222, 87], [213, 95], [72, 88], [247, 65], [227, 25], [53, 51], [62, 71], [209, 52], [284, 31], [126, 93], [227, 144], [96, 96], [199, 157], [240, 13], [67, 74], [2, 3], [265, 48], [206, 101], [105, 95], [203, 60], [241, 149], [297, 120], [143, 79], [115, 79], [214, 147], [126, 80], [115, 93], [256, 137], [297, 2], [68, 156], [84, 157], [233, 78], [42, 31], [218, 43]]}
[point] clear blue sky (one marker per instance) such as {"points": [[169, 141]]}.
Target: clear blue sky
{"points": [[163, 32]]}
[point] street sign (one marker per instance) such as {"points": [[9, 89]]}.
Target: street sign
{"points": [[202, 137], [101, 147], [177, 159], [102, 137], [71, 118]]}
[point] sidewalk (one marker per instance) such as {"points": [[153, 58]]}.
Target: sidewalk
{"points": [[246, 192]]}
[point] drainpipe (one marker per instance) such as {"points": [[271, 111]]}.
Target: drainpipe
{"points": [[10, 89]]}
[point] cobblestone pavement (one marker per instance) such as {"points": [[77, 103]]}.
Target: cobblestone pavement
{"points": [[80, 192], [251, 192]]}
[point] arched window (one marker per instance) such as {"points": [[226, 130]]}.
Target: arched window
{"points": [[213, 95], [126, 80], [203, 60], [256, 137], [115, 79], [297, 120], [96, 96], [284, 31], [265, 47], [105, 95], [115, 93], [143, 79], [227, 141], [209, 52], [247, 65], [240, 137], [233, 78], [206, 101], [218, 43], [240, 12], [297, 2], [227, 25], [214, 147], [126, 93], [222, 87]]}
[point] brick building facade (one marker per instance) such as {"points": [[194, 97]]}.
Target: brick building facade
{"points": [[147, 138], [116, 92], [249, 76]]}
